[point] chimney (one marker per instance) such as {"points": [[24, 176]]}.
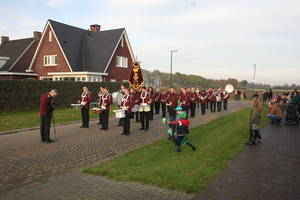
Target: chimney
{"points": [[37, 35], [95, 28], [4, 39]]}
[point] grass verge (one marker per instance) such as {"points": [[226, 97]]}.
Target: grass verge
{"points": [[29, 119], [158, 164]]}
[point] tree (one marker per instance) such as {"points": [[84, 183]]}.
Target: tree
{"points": [[244, 83]]}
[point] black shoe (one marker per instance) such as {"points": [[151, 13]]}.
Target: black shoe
{"points": [[147, 129], [105, 129], [178, 149], [85, 127], [123, 133], [127, 134], [43, 140], [142, 128], [99, 123], [194, 148], [50, 141]]}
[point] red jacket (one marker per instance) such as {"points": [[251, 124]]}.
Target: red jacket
{"points": [[87, 98], [106, 100], [152, 98], [193, 97], [172, 99], [45, 104], [157, 97], [203, 98], [185, 100], [163, 98], [226, 95], [136, 97], [128, 100], [212, 96], [145, 98]]}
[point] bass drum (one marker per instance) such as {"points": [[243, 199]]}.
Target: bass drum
{"points": [[117, 98]]}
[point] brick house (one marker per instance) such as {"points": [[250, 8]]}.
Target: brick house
{"points": [[68, 53], [16, 56]]}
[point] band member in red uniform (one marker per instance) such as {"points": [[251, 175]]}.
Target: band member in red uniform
{"points": [[219, 98], [172, 101], [122, 90], [212, 98], [101, 92], [157, 97], [144, 114], [126, 104], [105, 104], [46, 109], [198, 94], [163, 101], [209, 93], [86, 98], [151, 102], [193, 100], [203, 99], [225, 99], [185, 102]]}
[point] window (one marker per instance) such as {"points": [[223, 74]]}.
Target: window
{"points": [[46, 79], [112, 80], [121, 62], [50, 36], [50, 60], [78, 78], [125, 81], [83, 78], [56, 79]]}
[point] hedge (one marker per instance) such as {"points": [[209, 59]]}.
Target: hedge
{"points": [[21, 95]]}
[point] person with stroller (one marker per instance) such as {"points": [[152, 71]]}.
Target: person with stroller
{"points": [[275, 114], [254, 122], [182, 129]]}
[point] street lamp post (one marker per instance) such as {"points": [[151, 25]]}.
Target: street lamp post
{"points": [[253, 79], [172, 51]]}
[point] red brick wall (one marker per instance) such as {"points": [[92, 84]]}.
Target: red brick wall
{"points": [[49, 48], [119, 73], [15, 77]]}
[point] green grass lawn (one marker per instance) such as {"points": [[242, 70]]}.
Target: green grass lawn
{"points": [[28, 119], [158, 164]]}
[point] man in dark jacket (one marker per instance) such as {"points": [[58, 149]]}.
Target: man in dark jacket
{"points": [[46, 109]]}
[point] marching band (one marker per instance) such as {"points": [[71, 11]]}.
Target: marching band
{"points": [[141, 104]]}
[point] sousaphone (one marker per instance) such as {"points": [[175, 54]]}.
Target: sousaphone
{"points": [[229, 88]]}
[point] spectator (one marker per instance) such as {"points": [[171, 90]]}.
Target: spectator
{"points": [[275, 114], [254, 122]]}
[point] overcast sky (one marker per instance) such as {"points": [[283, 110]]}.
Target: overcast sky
{"points": [[216, 39]]}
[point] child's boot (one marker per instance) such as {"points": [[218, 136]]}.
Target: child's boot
{"points": [[193, 147]]}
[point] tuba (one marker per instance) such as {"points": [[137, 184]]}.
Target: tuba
{"points": [[229, 88]]}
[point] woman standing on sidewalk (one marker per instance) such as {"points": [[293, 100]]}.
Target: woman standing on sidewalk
{"points": [[254, 122]]}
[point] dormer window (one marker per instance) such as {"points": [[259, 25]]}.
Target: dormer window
{"points": [[3, 60], [50, 36]]}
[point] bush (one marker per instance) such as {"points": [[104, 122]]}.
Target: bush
{"points": [[21, 95]]}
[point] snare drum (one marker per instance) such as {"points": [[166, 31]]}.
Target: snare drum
{"points": [[135, 108], [94, 104], [96, 110], [76, 105], [120, 113], [147, 108], [117, 98]]}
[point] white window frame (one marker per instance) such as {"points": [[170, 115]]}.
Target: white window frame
{"points": [[113, 80], [50, 36], [121, 61], [50, 60]]}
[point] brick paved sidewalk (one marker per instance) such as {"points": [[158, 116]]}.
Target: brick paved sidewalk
{"points": [[27, 163], [269, 170]]}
